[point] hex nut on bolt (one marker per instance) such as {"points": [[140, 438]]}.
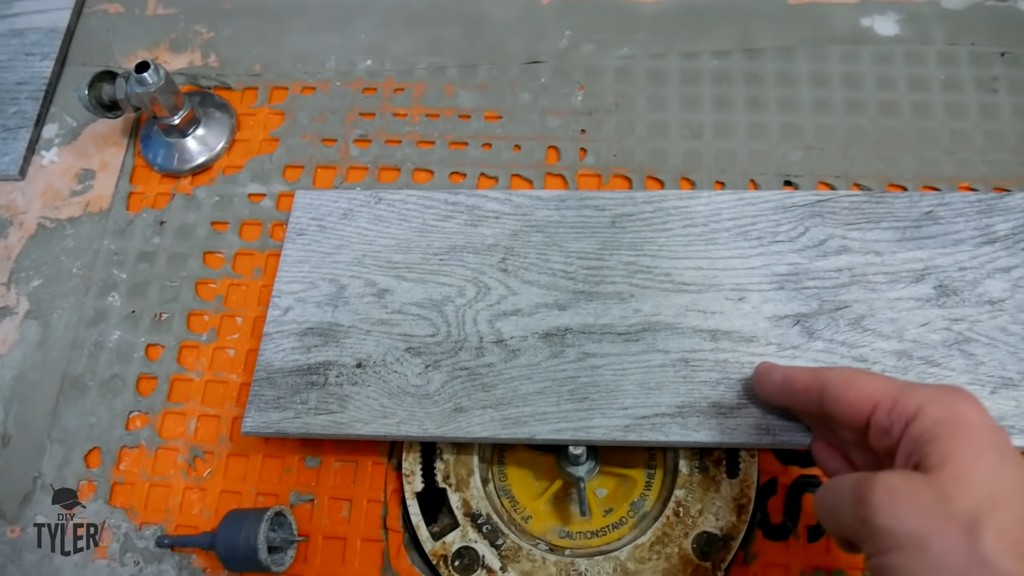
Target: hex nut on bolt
{"points": [[577, 454]]}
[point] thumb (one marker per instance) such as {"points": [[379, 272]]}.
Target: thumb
{"points": [[875, 512]]}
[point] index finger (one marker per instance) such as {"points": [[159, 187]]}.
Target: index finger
{"points": [[846, 396], [909, 425]]}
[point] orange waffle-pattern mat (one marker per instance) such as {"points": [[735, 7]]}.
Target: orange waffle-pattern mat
{"points": [[346, 495]]}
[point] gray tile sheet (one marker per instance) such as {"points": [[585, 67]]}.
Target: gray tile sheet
{"points": [[34, 35], [625, 318]]}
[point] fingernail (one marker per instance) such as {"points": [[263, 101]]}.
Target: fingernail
{"points": [[766, 372]]}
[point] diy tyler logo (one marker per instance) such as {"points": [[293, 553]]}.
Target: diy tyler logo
{"points": [[65, 536]]}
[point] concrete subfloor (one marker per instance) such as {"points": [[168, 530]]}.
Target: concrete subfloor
{"points": [[55, 226]]}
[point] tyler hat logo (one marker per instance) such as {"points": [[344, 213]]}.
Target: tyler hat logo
{"points": [[65, 536], [66, 498]]}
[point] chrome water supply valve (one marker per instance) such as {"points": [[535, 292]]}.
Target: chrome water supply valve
{"points": [[182, 133]]}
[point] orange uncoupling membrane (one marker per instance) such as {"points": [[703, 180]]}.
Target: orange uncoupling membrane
{"points": [[345, 495]]}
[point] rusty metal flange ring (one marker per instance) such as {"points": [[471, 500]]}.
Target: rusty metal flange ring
{"points": [[481, 509]]}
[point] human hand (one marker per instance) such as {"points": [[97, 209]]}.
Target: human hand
{"points": [[922, 480]]}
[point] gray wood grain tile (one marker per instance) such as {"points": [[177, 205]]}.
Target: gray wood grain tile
{"points": [[34, 35], [627, 318]]}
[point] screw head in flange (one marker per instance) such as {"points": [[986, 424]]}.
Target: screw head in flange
{"points": [[465, 561], [198, 150]]}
